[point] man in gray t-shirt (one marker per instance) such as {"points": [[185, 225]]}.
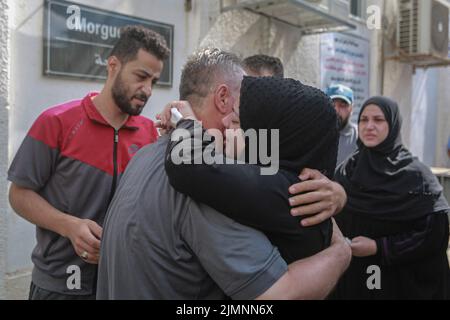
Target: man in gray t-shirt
{"points": [[160, 244], [177, 246]]}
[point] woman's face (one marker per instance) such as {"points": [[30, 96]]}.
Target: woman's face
{"points": [[373, 127], [234, 136]]}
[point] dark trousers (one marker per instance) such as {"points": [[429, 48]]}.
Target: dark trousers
{"points": [[37, 293]]}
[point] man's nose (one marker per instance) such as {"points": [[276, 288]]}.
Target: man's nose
{"points": [[147, 89]]}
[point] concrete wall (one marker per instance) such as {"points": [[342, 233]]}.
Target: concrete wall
{"points": [[424, 114], [4, 104], [443, 118], [246, 33]]}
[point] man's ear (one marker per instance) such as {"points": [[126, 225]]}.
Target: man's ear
{"points": [[113, 66], [222, 99]]}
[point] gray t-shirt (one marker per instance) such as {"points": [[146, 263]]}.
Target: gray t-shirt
{"points": [[159, 244], [347, 142]]}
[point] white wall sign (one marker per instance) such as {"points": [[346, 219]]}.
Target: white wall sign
{"points": [[344, 59]]}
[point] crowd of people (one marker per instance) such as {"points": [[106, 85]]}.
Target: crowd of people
{"points": [[123, 213]]}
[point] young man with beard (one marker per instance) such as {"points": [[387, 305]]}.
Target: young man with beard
{"points": [[66, 171], [342, 97]]}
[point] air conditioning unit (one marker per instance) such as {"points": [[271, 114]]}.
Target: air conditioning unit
{"points": [[423, 28]]}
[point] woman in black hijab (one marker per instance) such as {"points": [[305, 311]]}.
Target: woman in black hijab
{"points": [[395, 215], [308, 138]]}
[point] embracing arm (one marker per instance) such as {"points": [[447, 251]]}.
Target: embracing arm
{"points": [[317, 197], [237, 190], [313, 277], [245, 265]]}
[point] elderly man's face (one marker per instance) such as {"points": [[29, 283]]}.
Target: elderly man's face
{"points": [[234, 141]]}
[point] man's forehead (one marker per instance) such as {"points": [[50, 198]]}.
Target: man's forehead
{"points": [[341, 101], [149, 72], [149, 65]]}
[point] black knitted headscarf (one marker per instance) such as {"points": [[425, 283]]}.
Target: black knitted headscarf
{"points": [[386, 181], [304, 115]]}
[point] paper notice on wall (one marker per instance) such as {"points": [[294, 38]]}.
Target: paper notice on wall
{"points": [[344, 59]]}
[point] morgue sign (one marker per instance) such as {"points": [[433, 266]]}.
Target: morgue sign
{"points": [[78, 40]]}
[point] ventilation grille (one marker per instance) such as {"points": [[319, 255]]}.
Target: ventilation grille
{"points": [[409, 26]]}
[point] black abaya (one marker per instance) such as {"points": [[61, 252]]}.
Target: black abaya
{"points": [[395, 200]]}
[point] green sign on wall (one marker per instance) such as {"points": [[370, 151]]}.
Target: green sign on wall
{"points": [[78, 40]]}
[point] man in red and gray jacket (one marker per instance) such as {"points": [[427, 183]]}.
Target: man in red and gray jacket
{"points": [[66, 171]]}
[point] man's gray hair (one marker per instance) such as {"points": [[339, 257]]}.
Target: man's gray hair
{"points": [[204, 68]]}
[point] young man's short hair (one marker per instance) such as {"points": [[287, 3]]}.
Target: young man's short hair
{"points": [[259, 62], [133, 38]]}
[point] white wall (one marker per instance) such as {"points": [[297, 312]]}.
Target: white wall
{"points": [[443, 118], [30, 92], [4, 97], [424, 110]]}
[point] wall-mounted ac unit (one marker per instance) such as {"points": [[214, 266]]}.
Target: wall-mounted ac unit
{"points": [[423, 29]]}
